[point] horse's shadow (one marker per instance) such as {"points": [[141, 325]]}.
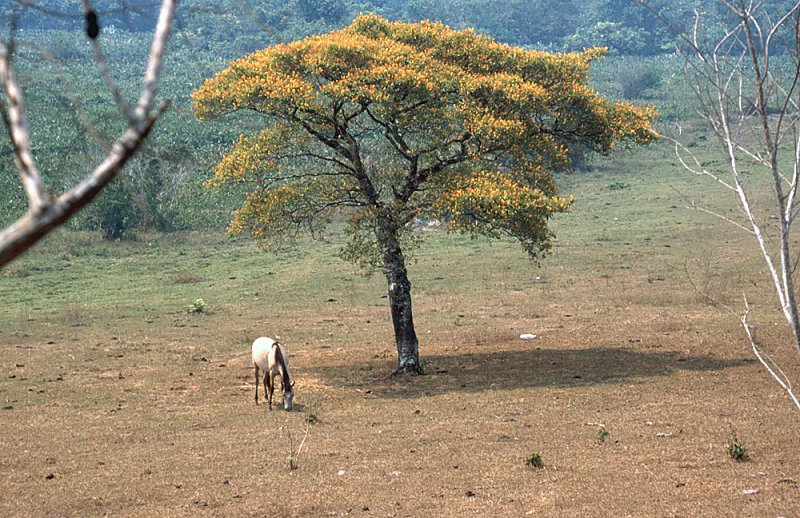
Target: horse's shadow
{"points": [[513, 369]]}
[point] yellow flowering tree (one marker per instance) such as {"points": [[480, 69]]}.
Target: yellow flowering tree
{"points": [[395, 121]]}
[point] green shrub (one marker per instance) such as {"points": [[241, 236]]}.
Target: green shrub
{"points": [[112, 212], [636, 77]]}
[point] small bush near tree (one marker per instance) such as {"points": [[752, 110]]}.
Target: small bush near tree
{"points": [[113, 212]]}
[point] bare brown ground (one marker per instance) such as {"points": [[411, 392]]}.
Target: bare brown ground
{"points": [[115, 402]]}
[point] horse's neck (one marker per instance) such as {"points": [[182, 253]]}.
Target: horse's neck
{"points": [[283, 367], [287, 383]]}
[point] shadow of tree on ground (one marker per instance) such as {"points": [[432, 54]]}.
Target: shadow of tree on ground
{"points": [[512, 369]]}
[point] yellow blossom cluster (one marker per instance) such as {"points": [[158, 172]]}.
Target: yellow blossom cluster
{"points": [[492, 204]]}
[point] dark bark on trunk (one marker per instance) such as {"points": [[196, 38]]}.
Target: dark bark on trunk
{"points": [[400, 304]]}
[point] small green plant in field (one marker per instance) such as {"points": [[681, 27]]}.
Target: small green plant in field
{"points": [[534, 460], [736, 450], [421, 366], [602, 435], [313, 412], [198, 306], [292, 458], [617, 186]]}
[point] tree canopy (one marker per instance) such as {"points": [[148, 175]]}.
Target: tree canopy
{"points": [[395, 121]]}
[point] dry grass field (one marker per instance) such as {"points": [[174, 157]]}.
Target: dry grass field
{"points": [[117, 402]]}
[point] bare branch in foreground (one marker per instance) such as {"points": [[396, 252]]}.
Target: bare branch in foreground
{"points": [[44, 213]]}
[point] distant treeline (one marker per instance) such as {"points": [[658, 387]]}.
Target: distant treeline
{"points": [[624, 26]]}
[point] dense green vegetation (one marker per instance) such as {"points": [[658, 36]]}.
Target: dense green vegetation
{"points": [[234, 27], [163, 188]]}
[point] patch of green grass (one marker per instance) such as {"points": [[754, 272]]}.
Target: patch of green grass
{"points": [[534, 460], [735, 449]]}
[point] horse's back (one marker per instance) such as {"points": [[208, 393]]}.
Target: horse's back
{"points": [[262, 351]]}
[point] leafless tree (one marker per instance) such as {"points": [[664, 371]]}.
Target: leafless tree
{"points": [[748, 92], [46, 212]]}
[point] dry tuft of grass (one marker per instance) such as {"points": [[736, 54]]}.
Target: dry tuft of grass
{"points": [[184, 278]]}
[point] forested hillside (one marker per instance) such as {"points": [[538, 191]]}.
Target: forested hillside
{"points": [[622, 25], [163, 186]]}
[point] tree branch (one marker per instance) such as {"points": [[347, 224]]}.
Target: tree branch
{"points": [[45, 214]]}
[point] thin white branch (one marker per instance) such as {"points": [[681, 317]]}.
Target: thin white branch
{"points": [[100, 59], [17, 124], [156, 61], [772, 367], [699, 170], [720, 216]]}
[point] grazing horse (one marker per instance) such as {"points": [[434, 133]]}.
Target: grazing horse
{"points": [[270, 356]]}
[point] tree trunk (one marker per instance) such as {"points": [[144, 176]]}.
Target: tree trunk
{"points": [[400, 303]]}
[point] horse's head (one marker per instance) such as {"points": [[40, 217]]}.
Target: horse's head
{"points": [[288, 394]]}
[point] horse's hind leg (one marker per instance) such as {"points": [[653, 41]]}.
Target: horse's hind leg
{"points": [[255, 366]]}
